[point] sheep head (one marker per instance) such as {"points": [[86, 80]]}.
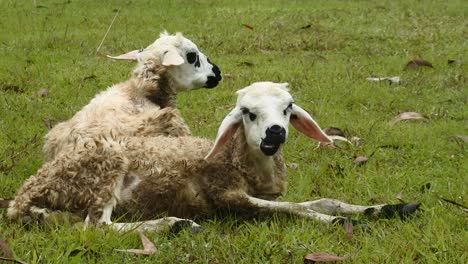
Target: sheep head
{"points": [[265, 109], [186, 65]]}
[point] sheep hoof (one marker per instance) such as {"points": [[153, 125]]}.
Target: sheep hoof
{"points": [[391, 210], [179, 225]]}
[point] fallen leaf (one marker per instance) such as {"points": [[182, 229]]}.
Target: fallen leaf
{"points": [[42, 92], [407, 116], [5, 250], [461, 206], [394, 79], [334, 131], [148, 247], [248, 26], [321, 257], [293, 165], [228, 76], [415, 63], [399, 196], [360, 160], [348, 227]]}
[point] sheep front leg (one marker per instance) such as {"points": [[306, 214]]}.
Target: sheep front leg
{"points": [[172, 224], [336, 207]]}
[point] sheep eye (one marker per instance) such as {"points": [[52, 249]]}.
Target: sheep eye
{"points": [[285, 111], [192, 57], [252, 116]]}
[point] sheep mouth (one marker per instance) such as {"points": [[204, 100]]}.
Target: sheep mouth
{"points": [[268, 148]]}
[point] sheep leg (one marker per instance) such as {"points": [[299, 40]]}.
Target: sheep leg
{"points": [[293, 209], [336, 207], [172, 224]]}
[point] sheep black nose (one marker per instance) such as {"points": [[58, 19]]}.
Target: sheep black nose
{"points": [[275, 134], [213, 81], [275, 129]]}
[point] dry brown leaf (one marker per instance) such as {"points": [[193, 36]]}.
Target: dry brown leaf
{"points": [[360, 160], [248, 26], [415, 63], [348, 227], [408, 116], [42, 92], [321, 257], [228, 76], [148, 247], [5, 250], [334, 131], [399, 196]]}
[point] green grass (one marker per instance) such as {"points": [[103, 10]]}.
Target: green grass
{"points": [[53, 46]]}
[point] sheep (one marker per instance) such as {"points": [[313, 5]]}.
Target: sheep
{"points": [[144, 104], [185, 177]]}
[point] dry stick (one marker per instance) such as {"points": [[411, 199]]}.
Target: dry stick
{"points": [[107, 32]]}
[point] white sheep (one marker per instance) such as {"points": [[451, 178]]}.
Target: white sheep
{"points": [[242, 171], [144, 104]]}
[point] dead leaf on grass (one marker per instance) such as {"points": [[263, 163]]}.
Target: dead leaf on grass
{"points": [[399, 196], [360, 160], [407, 116], [248, 26], [5, 250], [42, 92], [348, 227], [321, 257], [334, 131], [394, 79], [148, 247], [416, 63], [228, 76]]}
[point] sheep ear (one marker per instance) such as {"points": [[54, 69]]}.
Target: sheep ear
{"points": [[132, 55], [172, 58], [226, 131], [303, 122]]}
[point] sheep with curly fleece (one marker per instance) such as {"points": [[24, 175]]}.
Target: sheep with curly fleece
{"points": [[242, 171], [144, 104]]}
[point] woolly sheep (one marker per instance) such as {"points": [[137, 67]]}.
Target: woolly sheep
{"points": [[135, 107], [242, 171]]}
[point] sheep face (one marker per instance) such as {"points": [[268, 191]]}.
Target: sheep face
{"points": [[187, 66], [265, 109]]}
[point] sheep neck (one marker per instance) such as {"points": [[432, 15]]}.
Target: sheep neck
{"points": [[265, 175], [161, 93]]}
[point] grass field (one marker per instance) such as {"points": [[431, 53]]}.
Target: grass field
{"points": [[325, 50]]}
